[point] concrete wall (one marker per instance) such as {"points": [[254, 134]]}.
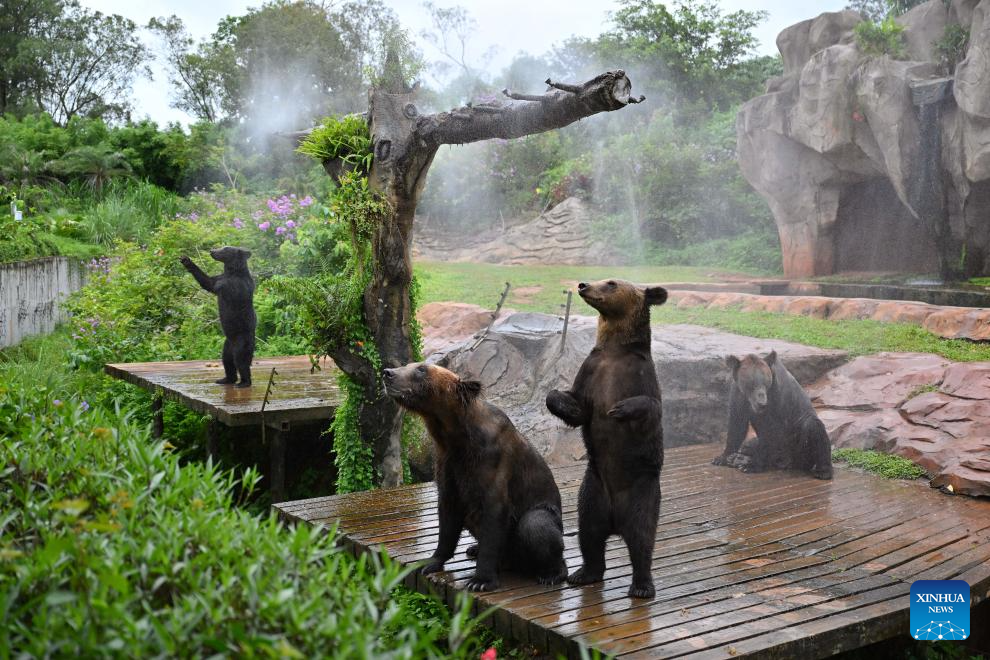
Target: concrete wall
{"points": [[31, 293]]}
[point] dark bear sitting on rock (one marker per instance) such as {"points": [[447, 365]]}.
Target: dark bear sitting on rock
{"points": [[234, 289], [489, 479], [789, 434], [615, 399]]}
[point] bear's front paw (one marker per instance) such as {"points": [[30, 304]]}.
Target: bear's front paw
{"points": [[185, 261], [584, 575], [562, 405], [642, 590], [721, 459], [432, 566], [478, 583], [243, 385], [824, 475]]}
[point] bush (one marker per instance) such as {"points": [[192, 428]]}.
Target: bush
{"points": [[753, 251], [885, 37], [110, 547], [951, 47], [127, 211]]}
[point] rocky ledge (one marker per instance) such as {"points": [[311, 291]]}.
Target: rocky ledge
{"points": [[948, 322], [919, 406]]}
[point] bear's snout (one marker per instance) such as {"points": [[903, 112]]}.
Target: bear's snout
{"points": [[582, 286], [388, 375]]}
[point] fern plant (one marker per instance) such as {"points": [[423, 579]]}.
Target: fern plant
{"points": [[345, 138], [881, 38]]}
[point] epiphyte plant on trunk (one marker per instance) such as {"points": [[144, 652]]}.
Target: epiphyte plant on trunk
{"points": [[404, 142]]}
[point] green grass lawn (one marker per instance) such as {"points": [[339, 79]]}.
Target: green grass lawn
{"points": [[540, 289], [534, 288]]}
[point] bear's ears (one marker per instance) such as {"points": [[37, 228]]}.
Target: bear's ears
{"points": [[468, 390], [655, 295], [733, 363], [770, 358]]}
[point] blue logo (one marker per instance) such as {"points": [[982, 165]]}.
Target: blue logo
{"points": [[939, 609]]}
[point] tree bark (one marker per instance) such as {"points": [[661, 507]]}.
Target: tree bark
{"points": [[404, 144]]}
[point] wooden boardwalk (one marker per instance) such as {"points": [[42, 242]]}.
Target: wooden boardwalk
{"points": [[301, 394], [759, 565]]}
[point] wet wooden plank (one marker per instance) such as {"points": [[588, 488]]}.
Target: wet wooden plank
{"points": [[773, 564], [300, 394]]}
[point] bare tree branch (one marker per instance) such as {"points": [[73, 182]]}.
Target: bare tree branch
{"points": [[563, 104]]}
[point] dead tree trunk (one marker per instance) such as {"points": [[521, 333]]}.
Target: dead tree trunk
{"points": [[404, 144]]}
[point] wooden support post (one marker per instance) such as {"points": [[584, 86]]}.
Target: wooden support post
{"points": [[213, 429], [157, 416], [278, 447], [567, 317]]}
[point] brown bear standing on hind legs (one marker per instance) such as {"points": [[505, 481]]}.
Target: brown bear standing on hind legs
{"points": [[615, 400], [789, 434], [234, 289], [489, 479]]}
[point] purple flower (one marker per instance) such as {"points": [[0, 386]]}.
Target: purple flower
{"points": [[279, 231], [264, 225], [84, 405], [193, 217], [305, 201], [237, 223], [290, 223], [257, 215], [57, 403]]}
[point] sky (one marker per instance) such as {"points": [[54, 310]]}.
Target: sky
{"points": [[511, 26]]}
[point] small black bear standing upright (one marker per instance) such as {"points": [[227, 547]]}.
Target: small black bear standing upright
{"points": [[615, 400], [789, 433], [234, 289]]}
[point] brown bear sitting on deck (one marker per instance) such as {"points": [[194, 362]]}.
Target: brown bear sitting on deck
{"points": [[615, 400], [789, 433], [489, 479]]}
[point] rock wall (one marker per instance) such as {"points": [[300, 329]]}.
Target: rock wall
{"points": [[562, 235], [31, 293], [869, 162]]}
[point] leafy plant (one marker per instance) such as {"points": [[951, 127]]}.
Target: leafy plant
{"points": [[951, 47], [346, 138], [885, 465], [881, 38], [97, 165], [155, 558]]}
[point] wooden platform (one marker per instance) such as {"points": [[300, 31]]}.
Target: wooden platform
{"points": [[299, 395], [762, 565]]}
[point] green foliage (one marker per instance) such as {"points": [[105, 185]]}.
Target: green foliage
{"points": [[352, 456], [753, 251], [876, 39], [695, 53], [155, 559], [951, 47], [126, 212], [887, 466], [346, 139], [878, 10]]}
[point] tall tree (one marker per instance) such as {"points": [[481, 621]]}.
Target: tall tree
{"points": [[404, 143], [89, 65], [25, 26], [693, 48], [196, 72]]}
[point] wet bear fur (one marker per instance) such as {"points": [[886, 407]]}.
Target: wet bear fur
{"points": [[789, 434], [489, 479], [234, 289], [615, 399]]}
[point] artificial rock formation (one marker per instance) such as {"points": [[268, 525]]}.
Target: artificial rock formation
{"points": [[561, 235], [919, 406], [870, 163]]}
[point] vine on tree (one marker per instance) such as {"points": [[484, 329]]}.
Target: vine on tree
{"points": [[330, 304]]}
